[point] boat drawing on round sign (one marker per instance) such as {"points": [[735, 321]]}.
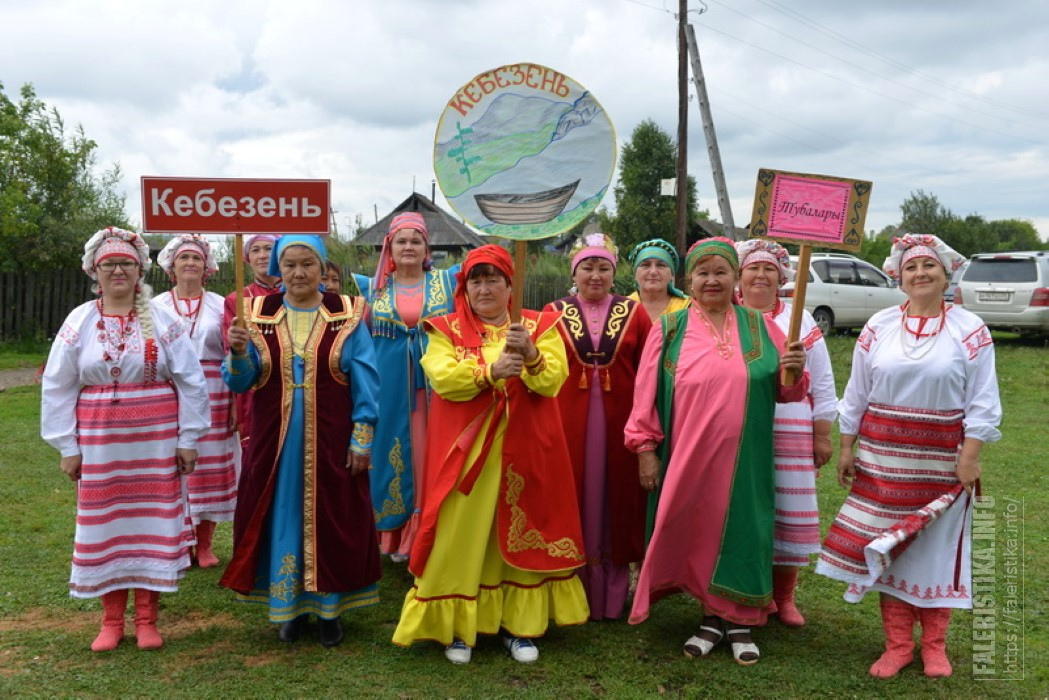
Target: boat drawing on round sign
{"points": [[524, 152], [534, 208]]}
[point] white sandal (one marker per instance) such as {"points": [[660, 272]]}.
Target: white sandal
{"points": [[696, 646], [740, 649]]}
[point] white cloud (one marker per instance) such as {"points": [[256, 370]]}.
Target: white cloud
{"points": [[948, 97]]}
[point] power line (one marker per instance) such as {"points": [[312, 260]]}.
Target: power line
{"points": [[798, 17], [868, 69], [871, 90]]}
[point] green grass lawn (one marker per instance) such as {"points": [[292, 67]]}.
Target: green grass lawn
{"points": [[219, 648]]}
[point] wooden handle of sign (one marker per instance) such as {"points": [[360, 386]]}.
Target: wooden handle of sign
{"points": [[518, 284], [801, 281], [238, 277]]}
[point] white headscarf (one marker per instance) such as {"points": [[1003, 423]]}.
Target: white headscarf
{"points": [[914, 245], [176, 245]]}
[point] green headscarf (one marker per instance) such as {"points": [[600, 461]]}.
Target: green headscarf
{"points": [[661, 250]]}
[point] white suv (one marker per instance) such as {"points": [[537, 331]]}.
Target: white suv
{"points": [[1009, 291], [844, 291]]}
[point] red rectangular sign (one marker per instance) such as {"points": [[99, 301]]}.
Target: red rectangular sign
{"points": [[235, 205]]}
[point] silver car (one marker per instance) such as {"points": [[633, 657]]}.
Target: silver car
{"points": [[844, 291], [1009, 291]]}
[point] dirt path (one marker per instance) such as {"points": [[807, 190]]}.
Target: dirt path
{"points": [[17, 377]]}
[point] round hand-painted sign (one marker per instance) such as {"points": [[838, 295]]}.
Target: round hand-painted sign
{"points": [[524, 152]]}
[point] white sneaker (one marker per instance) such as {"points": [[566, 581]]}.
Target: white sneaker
{"points": [[457, 652], [522, 650], [398, 558]]}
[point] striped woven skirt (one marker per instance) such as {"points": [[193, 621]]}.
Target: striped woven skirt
{"points": [[905, 527], [797, 526], [133, 528], [213, 484]]}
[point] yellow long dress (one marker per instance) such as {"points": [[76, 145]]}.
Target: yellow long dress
{"points": [[467, 588]]}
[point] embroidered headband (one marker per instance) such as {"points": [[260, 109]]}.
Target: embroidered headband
{"points": [[113, 241], [757, 250], [912, 245], [170, 252], [718, 245]]}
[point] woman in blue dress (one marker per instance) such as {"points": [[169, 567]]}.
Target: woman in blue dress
{"points": [[304, 534]]}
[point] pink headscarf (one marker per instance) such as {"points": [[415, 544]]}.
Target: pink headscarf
{"points": [[386, 265], [594, 245]]}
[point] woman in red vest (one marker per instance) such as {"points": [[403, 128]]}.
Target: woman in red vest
{"points": [[499, 537], [304, 535]]}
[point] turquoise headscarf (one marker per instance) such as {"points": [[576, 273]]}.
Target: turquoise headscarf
{"points": [[661, 250], [314, 243]]}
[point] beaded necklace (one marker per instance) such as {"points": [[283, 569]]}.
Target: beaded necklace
{"points": [[923, 342], [113, 346], [191, 313], [723, 340]]}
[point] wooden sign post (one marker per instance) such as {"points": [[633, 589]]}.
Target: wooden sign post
{"points": [[809, 210], [235, 206]]}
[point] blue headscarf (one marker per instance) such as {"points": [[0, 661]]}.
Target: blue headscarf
{"points": [[661, 250], [314, 243]]}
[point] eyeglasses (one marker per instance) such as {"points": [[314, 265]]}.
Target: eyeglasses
{"points": [[110, 265]]}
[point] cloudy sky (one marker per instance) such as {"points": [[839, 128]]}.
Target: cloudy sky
{"points": [[947, 96]]}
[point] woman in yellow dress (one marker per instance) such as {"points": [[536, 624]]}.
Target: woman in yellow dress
{"points": [[499, 538]]}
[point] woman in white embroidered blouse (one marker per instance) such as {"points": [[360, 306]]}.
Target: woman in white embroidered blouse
{"points": [[124, 402]]}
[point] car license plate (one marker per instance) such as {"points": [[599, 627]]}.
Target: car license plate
{"points": [[994, 296]]}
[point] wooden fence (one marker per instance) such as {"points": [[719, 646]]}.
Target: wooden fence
{"points": [[34, 304]]}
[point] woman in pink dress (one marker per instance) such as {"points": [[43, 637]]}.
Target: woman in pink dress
{"points": [[701, 425]]}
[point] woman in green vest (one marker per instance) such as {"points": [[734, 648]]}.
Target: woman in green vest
{"points": [[701, 425]]}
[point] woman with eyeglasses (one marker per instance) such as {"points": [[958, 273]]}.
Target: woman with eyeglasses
{"points": [[124, 401]]}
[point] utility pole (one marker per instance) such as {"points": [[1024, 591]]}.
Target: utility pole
{"points": [[708, 132], [682, 130]]}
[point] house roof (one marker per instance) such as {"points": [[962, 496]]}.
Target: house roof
{"points": [[444, 230]]}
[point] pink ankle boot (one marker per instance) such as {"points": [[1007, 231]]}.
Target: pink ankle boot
{"points": [[112, 633], [897, 619]]}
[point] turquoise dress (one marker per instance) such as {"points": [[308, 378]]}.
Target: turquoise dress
{"points": [[398, 350]]}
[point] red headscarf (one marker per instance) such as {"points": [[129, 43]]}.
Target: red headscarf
{"points": [[490, 254]]}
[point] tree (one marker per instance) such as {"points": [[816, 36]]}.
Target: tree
{"points": [[51, 199], [641, 211], [923, 213]]}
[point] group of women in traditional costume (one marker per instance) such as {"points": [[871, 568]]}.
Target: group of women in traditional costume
{"points": [[492, 458]]}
